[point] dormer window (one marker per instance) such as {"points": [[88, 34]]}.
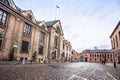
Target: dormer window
{"points": [[5, 1], [29, 16]]}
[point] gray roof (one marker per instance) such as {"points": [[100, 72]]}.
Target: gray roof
{"points": [[51, 23], [97, 51]]}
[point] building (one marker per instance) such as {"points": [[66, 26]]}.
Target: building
{"points": [[96, 55], [66, 54], [55, 39], [115, 43], [23, 37], [75, 56]]}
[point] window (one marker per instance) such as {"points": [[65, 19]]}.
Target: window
{"points": [[41, 50], [5, 1], [56, 41], [3, 17], [113, 43], [116, 41], [111, 55], [42, 36], [29, 16], [27, 29], [90, 55], [97, 55], [24, 48], [66, 48], [1, 41]]}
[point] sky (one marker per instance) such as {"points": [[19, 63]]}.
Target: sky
{"points": [[86, 23]]}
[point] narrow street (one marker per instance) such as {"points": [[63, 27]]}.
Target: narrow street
{"points": [[65, 71]]}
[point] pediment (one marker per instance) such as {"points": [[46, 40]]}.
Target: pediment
{"points": [[58, 27], [29, 14], [42, 24]]}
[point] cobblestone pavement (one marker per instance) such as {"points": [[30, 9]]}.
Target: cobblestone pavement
{"points": [[60, 71]]}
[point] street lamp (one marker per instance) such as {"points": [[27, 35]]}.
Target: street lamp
{"points": [[114, 59], [14, 47]]}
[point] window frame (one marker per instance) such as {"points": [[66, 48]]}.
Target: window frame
{"points": [[42, 36], [41, 49], [27, 29], [3, 17], [2, 41], [23, 47]]}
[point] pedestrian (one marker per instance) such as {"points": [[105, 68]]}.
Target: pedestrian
{"points": [[41, 61]]}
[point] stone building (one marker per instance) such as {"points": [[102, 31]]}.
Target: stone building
{"points": [[55, 39], [23, 37], [96, 55], [66, 54], [115, 42], [75, 56]]}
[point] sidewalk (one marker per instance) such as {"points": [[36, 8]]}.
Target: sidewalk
{"points": [[112, 64]]}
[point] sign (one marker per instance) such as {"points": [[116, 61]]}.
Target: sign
{"points": [[15, 45]]}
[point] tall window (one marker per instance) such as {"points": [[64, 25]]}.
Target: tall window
{"points": [[56, 41], [41, 50], [3, 17], [113, 43], [5, 1], [24, 48], [119, 35], [42, 36], [1, 41], [27, 29], [116, 41]]}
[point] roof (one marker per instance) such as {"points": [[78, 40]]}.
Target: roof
{"points": [[51, 23], [115, 29], [97, 51]]}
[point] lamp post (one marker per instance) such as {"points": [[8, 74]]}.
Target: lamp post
{"points": [[14, 47], [114, 63]]}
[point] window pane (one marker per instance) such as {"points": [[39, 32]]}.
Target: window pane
{"points": [[24, 47], [41, 50], [27, 29], [42, 36], [0, 43]]}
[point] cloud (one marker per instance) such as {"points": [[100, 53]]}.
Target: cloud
{"points": [[86, 23]]}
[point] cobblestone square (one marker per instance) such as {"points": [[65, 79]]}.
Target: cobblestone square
{"points": [[60, 71]]}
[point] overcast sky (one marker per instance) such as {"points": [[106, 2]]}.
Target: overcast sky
{"points": [[86, 23]]}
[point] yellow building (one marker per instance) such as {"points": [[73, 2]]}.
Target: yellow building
{"points": [[97, 55], [115, 42]]}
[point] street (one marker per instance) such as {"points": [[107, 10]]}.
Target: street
{"points": [[60, 71]]}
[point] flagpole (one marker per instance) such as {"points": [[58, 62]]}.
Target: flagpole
{"points": [[57, 7], [55, 12]]}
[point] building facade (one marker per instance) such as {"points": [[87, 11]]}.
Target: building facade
{"points": [[115, 43], [75, 56], [66, 54], [97, 55], [23, 37]]}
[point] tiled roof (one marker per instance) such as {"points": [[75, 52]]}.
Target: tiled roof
{"points": [[97, 51], [51, 23]]}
